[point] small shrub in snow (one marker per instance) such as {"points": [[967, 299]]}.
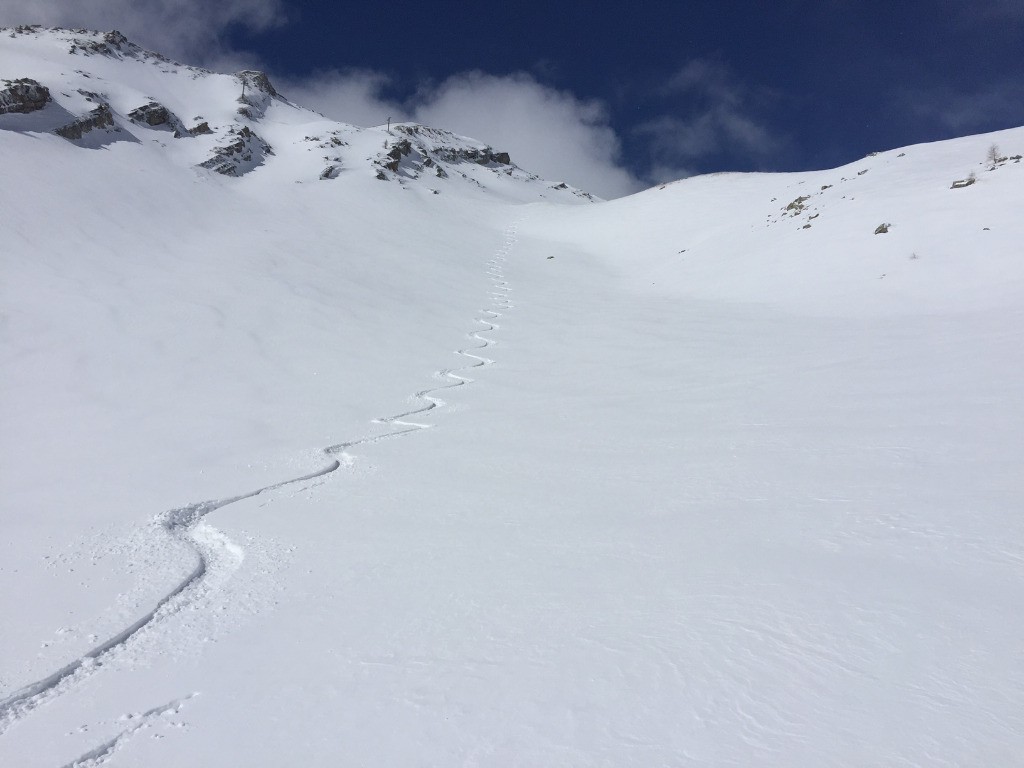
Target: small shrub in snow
{"points": [[994, 159]]}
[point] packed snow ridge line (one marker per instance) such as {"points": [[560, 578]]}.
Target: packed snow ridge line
{"points": [[217, 556]]}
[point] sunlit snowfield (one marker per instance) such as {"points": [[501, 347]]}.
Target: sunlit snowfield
{"points": [[668, 480]]}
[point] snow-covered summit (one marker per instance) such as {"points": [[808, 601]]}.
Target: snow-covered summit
{"points": [[98, 89]]}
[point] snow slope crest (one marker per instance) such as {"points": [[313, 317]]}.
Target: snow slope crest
{"points": [[932, 227]]}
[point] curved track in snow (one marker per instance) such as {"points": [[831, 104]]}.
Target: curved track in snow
{"points": [[218, 557]]}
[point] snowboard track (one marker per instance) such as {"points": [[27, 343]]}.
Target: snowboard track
{"points": [[217, 556]]}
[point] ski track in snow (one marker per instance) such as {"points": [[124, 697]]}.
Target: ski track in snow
{"points": [[102, 754], [218, 557]]}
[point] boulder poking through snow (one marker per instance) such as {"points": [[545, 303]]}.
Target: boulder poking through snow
{"points": [[156, 115], [100, 117], [22, 96]]}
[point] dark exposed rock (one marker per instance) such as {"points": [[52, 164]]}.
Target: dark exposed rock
{"points": [[114, 38], [239, 157], [797, 206], [100, 117], [256, 80], [155, 115], [400, 149], [22, 96], [484, 156], [412, 151], [112, 44], [882, 229], [150, 114], [201, 129], [443, 150], [257, 93]]}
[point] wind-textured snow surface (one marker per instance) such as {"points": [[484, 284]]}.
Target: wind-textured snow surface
{"points": [[313, 454]]}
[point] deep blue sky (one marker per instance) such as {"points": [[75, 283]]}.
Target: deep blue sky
{"points": [[830, 80]]}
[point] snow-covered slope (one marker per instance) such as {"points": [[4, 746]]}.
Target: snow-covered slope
{"points": [[328, 446], [812, 241]]}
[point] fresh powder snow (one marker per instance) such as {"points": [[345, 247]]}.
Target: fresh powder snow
{"points": [[334, 446]]}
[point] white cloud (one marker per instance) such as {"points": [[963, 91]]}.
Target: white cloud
{"points": [[664, 173], [717, 119], [191, 30], [997, 105], [546, 131], [549, 132], [350, 96]]}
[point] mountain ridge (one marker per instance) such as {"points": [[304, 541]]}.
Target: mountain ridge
{"points": [[107, 101]]}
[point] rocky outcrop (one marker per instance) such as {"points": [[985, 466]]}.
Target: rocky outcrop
{"points": [[484, 156], [22, 96], [100, 117], [445, 146], [246, 152], [429, 150], [257, 93], [112, 44], [151, 114], [400, 149], [156, 115], [255, 80], [441, 172]]}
